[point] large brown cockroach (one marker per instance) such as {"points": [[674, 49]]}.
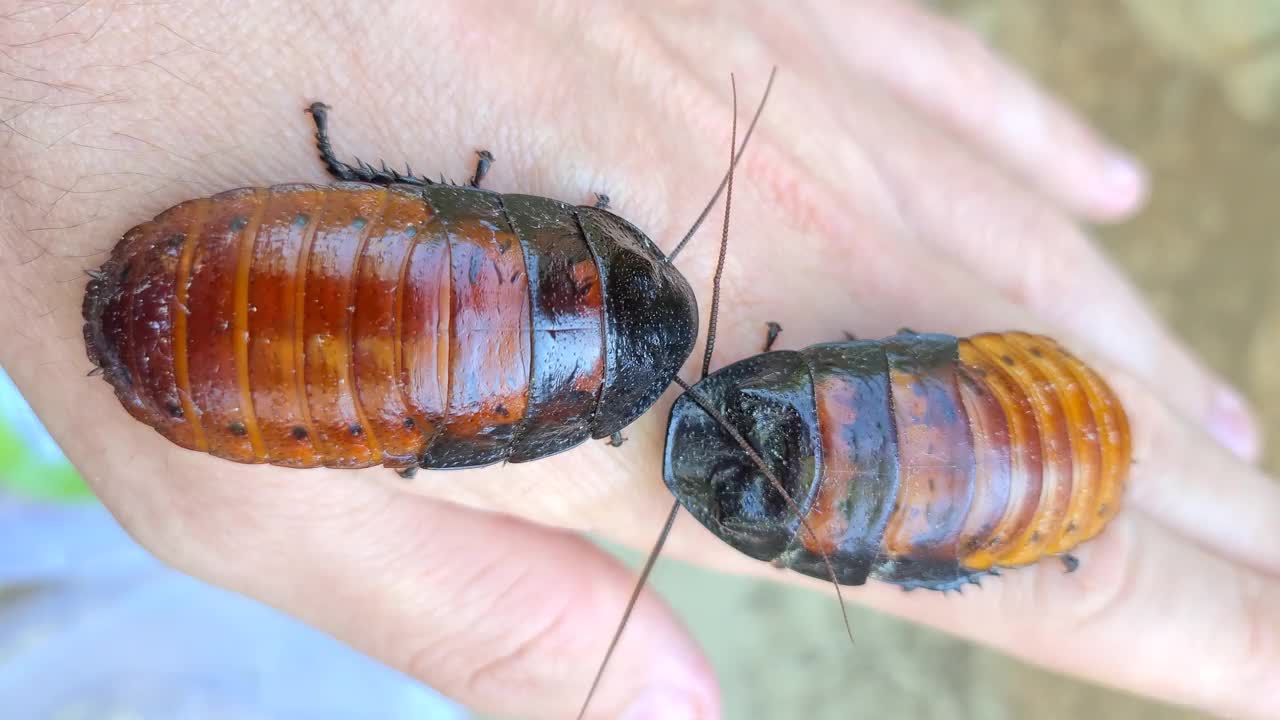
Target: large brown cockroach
{"points": [[387, 319]]}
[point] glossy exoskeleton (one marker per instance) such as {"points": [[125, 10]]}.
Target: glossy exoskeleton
{"points": [[921, 460], [387, 319]]}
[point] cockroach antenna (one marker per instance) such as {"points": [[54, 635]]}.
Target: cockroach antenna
{"points": [[746, 137], [726, 186]]}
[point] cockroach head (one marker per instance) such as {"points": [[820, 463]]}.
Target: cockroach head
{"points": [[767, 400], [651, 318]]}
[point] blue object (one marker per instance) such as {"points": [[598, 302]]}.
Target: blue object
{"points": [[92, 626], [108, 632]]}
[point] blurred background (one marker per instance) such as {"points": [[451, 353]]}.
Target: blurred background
{"points": [[1191, 86]]}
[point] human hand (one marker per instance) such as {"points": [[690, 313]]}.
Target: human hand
{"points": [[893, 141]]}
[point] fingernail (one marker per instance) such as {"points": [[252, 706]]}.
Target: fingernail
{"points": [[1123, 178], [1232, 424], [662, 704]]}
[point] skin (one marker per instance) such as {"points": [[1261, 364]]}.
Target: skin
{"points": [[902, 176]]}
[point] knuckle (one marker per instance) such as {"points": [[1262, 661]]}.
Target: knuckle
{"points": [[1154, 432], [517, 664], [1260, 651], [504, 633], [972, 60], [1110, 580], [1094, 596]]}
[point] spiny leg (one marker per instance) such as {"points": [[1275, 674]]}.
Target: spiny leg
{"points": [[361, 171], [602, 201], [772, 336]]}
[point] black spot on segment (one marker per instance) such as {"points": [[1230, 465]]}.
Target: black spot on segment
{"points": [[299, 433], [411, 231], [515, 275], [356, 430], [173, 408], [359, 223], [1006, 360], [1035, 536], [301, 220], [1036, 352], [176, 241], [1102, 509], [238, 223], [1071, 527], [238, 429], [502, 410], [409, 424]]}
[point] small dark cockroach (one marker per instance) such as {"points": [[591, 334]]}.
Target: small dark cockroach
{"points": [[921, 460], [387, 319]]}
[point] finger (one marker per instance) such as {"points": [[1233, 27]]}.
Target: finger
{"points": [[1036, 256], [503, 615], [1147, 611], [952, 77], [1185, 481]]}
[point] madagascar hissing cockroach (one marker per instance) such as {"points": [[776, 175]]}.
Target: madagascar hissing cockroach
{"points": [[922, 460], [387, 319]]}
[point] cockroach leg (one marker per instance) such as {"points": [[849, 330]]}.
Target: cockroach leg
{"points": [[772, 336], [362, 171], [616, 440], [1069, 562], [602, 201], [484, 159], [340, 170]]}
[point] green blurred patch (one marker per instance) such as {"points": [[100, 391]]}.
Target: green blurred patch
{"points": [[31, 465]]}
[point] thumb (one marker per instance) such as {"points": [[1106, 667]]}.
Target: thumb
{"points": [[502, 615]]}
